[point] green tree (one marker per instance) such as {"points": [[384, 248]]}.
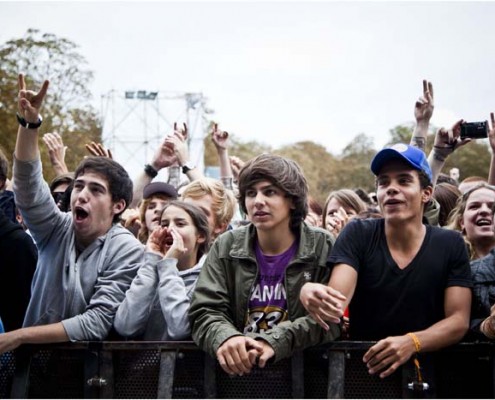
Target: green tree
{"points": [[401, 134], [473, 159], [317, 164], [66, 108], [353, 171]]}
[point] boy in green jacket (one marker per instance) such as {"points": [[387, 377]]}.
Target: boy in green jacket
{"points": [[245, 309]]}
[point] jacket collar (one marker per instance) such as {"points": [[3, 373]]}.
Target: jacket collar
{"points": [[243, 246]]}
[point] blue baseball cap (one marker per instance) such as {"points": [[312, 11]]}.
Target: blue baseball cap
{"points": [[415, 157]]}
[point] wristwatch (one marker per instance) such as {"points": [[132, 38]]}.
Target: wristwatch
{"points": [[29, 125], [187, 167], [150, 171]]}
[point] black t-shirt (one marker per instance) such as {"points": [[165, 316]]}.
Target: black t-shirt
{"points": [[390, 301]]}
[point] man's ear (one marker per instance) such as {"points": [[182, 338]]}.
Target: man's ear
{"points": [[427, 194], [119, 206]]}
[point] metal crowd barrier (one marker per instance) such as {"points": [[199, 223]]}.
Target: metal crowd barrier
{"points": [[181, 370]]}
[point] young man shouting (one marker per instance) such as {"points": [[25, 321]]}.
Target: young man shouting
{"points": [[86, 259]]}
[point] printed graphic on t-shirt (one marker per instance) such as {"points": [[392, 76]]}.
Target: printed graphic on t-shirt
{"points": [[267, 305], [264, 318]]}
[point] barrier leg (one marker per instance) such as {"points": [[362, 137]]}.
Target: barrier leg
{"points": [[297, 366], [210, 377], [20, 383], [336, 374], [166, 376]]}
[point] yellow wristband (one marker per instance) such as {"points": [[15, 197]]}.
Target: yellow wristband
{"points": [[416, 341]]}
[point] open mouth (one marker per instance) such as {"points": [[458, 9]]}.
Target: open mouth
{"points": [[80, 214], [484, 222], [392, 202], [169, 241]]}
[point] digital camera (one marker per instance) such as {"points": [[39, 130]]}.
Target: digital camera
{"points": [[474, 130]]}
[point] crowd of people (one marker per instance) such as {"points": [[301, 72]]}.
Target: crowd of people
{"points": [[249, 266]]}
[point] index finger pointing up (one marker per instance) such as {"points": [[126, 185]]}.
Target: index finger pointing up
{"points": [[21, 82]]}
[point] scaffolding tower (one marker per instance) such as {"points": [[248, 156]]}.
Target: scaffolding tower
{"points": [[135, 123]]}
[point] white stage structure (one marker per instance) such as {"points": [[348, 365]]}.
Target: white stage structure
{"points": [[135, 122]]}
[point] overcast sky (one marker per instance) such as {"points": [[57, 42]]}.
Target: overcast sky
{"points": [[281, 72]]}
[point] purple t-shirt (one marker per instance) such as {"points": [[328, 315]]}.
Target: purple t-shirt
{"points": [[267, 304]]}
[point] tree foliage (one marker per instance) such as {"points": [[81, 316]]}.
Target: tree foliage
{"points": [[317, 164], [401, 134], [351, 169], [66, 108]]}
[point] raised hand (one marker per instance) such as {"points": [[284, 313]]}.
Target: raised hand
{"points": [[177, 145], [220, 138], [491, 133], [184, 133], [236, 164], [423, 108], [98, 150], [165, 154], [29, 102], [447, 141], [56, 152]]}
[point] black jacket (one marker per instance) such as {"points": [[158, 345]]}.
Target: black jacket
{"points": [[18, 257]]}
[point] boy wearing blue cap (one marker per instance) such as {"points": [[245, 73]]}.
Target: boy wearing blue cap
{"points": [[409, 283]]}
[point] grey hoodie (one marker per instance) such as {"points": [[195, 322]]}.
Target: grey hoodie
{"points": [[157, 304], [83, 294]]}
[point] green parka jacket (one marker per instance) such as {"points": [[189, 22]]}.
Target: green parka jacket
{"points": [[220, 300]]}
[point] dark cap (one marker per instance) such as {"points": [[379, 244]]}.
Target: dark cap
{"points": [[415, 157], [159, 188]]}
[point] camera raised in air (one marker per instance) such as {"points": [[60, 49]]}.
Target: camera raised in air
{"points": [[474, 130]]}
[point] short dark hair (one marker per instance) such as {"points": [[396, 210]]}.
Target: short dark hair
{"points": [[199, 220], [119, 183], [284, 174], [424, 180]]}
